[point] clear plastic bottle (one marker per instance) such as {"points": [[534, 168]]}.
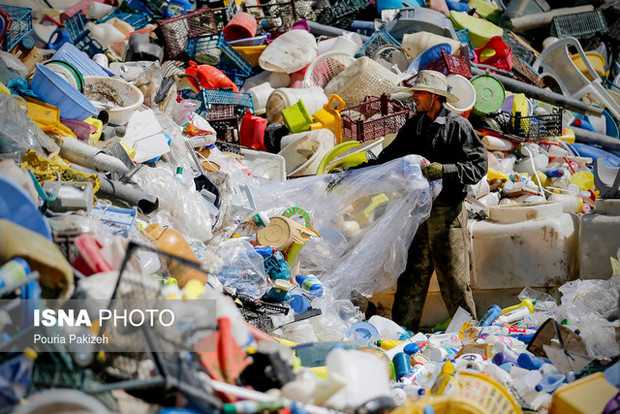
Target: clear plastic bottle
{"points": [[550, 383], [179, 176], [310, 284]]}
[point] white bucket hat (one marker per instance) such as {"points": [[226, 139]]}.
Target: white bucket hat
{"points": [[433, 82]]}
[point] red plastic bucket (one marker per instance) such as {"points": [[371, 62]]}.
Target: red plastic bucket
{"points": [[242, 26]]}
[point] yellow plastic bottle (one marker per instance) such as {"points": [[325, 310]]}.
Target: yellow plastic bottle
{"points": [[388, 344], [493, 173], [525, 302]]}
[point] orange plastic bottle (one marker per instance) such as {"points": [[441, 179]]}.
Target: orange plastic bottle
{"points": [[171, 241]]}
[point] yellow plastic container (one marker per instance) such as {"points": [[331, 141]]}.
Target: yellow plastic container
{"points": [[486, 9], [480, 31], [329, 117], [487, 393], [525, 302], [4, 89], [251, 53], [586, 395], [441, 405], [597, 61], [583, 179], [297, 118]]}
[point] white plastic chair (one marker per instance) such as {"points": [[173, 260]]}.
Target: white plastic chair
{"points": [[556, 60]]}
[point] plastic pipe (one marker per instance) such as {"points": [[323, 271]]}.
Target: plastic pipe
{"points": [[323, 29], [533, 21], [588, 137], [543, 94]]}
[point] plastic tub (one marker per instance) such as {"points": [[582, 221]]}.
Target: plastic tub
{"points": [[522, 245], [597, 61], [490, 95], [124, 97], [260, 95], [598, 235], [465, 91], [242, 26], [54, 90]]}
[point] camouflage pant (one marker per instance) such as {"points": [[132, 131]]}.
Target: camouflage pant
{"points": [[441, 244]]}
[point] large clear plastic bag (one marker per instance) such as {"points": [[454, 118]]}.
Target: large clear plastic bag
{"points": [[366, 217], [180, 206], [243, 268]]}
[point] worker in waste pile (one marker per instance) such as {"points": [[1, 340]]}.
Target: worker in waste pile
{"points": [[457, 156]]}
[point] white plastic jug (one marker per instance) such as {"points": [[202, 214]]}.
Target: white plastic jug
{"points": [[290, 52], [387, 328]]}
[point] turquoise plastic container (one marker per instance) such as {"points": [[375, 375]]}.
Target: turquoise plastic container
{"points": [[51, 88]]}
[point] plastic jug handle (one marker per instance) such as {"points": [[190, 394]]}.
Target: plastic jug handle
{"points": [[335, 98]]}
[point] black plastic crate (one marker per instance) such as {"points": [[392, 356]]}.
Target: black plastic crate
{"points": [[580, 25], [283, 10], [531, 127]]}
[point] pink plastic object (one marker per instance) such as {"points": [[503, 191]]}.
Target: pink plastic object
{"points": [[90, 260], [242, 26], [81, 129], [79, 6], [252, 131]]}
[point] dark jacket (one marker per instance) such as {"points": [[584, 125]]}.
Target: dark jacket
{"points": [[450, 140]]}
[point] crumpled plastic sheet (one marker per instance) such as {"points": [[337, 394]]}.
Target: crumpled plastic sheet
{"points": [[17, 130], [243, 269], [387, 201], [180, 207], [584, 302]]}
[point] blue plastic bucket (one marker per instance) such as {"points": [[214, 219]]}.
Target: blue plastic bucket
{"points": [[51, 88]]}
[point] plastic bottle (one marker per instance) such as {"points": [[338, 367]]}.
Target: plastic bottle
{"points": [[179, 176], [388, 344], [171, 241], [416, 376], [402, 365], [530, 362], [550, 383], [501, 359], [17, 375], [505, 349], [514, 315], [548, 369], [250, 407], [13, 271], [251, 225], [310, 284], [489, 317]]}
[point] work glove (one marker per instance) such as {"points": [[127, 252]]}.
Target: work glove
{"points": [[433, 171]]}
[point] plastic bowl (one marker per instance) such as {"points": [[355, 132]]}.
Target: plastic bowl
{"points": [[54, 90], [118, 97], [596, 60]]}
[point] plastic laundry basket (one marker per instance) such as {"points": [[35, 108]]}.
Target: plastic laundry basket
{"points": [[325, 67], [363, 77]]}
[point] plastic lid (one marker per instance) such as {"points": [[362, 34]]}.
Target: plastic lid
{"points": [[490, 95], [278, 234], [363, 330], [30, 353], [28, 43], [411, 349], [179, 170]]}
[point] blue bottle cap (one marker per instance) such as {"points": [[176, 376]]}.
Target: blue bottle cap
{"points": [[411, 349]]}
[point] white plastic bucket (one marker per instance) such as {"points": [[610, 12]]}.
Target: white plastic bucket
{"points": [[275, 79], [346, 45], [260, 95], [290, 52], [465, 91], [282, 98]]}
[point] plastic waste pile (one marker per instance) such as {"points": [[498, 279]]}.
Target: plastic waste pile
{"points": [[185, 163]]}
